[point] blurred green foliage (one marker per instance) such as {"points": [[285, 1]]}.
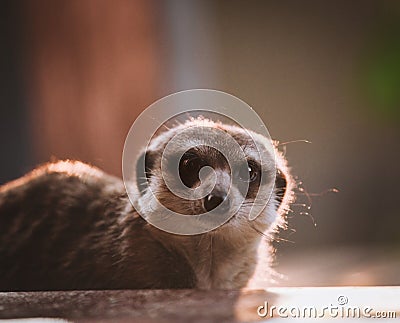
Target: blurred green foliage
{"points": [[381, 70]]}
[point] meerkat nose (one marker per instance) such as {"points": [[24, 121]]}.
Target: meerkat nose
{"points": [[214, 199]]}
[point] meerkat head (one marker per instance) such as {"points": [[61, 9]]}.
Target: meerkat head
{"points": [[204, 167]]}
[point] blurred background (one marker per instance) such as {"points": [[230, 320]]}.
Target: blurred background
{"points": [[75, 75]]}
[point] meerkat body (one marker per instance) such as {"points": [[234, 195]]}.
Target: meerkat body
{"points": [[68, 225]]}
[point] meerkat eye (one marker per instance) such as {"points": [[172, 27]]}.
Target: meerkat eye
{"points": [[250, 172], [189, 168]]}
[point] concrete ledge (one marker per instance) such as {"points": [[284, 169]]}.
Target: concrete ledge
{"points": [[193, 305]]}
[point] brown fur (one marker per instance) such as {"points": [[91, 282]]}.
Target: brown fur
{"points": [[65, 229], [67, 225]]}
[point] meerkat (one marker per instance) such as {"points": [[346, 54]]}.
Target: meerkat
{"points": [[68, 225]]}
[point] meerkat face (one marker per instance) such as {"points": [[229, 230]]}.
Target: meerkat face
{"points": [[221, 168]]}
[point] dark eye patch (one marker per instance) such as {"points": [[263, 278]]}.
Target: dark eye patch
{"points": [[249, 174], [280, 186], [189, 168], [144, 167]]}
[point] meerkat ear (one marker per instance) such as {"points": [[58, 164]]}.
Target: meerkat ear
{"points": [[280, 186], [144, 167]]}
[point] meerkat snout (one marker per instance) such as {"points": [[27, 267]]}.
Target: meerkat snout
{"points": [[218, 197]]}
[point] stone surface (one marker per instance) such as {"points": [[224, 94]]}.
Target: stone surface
{"points": [[140, 305], [150, 306]]}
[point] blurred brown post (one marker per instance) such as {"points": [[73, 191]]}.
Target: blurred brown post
{"points": [[92, 68]]}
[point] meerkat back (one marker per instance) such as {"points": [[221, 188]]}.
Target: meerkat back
{"points": [[67, 225]]}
